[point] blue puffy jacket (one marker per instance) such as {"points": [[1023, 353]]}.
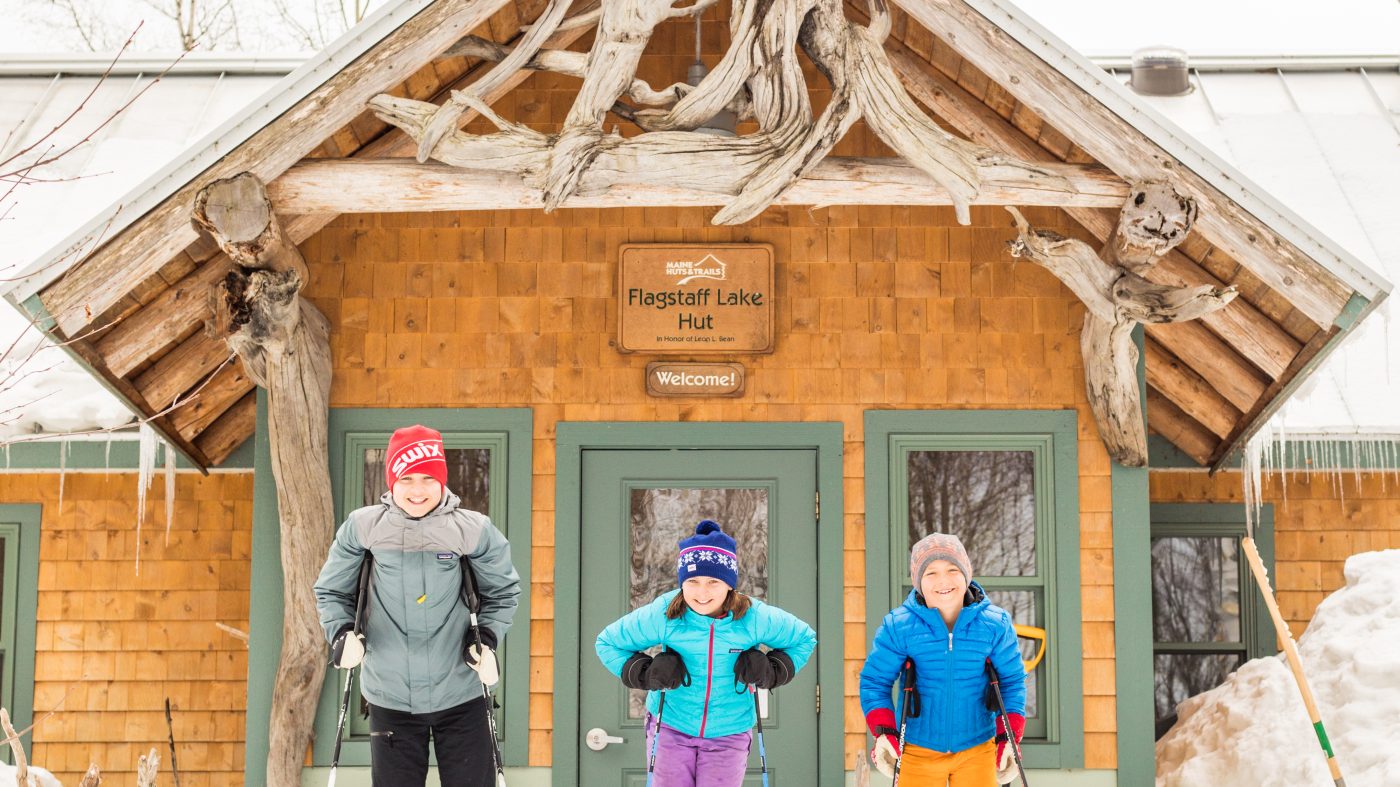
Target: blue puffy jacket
{"points": [[713, 705], [950, 670]]}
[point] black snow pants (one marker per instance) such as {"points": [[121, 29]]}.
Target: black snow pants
{"points": [[398, 748]]}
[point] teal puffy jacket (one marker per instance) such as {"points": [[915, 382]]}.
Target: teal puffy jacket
{"points": [[949, 668], [415, 619], [714, 704]]}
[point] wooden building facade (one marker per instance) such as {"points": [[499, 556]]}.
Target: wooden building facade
{"points": [[904, 336]]}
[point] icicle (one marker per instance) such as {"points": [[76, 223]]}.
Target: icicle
{"points": [[169, 490], [145, 470], [1252, 473], [62, 472], [107, 459]]}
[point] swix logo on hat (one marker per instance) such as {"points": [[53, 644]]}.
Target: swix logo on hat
{"points": [[416, 449]]}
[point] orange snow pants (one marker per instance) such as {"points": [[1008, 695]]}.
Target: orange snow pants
{"points": [[974, 767]]}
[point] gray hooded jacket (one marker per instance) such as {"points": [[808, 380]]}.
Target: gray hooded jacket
{"points": [[415, 620]]}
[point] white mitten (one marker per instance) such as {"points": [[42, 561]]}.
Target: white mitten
{"points": [[352, 652], [1006, 767], [485, 664], [884, 756]]}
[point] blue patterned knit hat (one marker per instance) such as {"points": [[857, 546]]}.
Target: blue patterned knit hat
{"points": [[708, 553]]}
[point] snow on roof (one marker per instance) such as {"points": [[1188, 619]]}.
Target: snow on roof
{"points": [[53, 393]]}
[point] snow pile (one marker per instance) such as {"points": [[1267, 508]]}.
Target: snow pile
{"points": [[38, 777], [1253, 730]]}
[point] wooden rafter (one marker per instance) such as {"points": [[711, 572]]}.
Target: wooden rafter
{"points": [[350, 185], [86, 291], [1243, 327], [1117, 144]]}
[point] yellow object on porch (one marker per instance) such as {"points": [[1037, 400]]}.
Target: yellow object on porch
{"points": [[1033, 632]]}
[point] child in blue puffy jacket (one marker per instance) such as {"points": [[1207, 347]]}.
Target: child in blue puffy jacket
{"points": [[949, 629], [712, 635]]}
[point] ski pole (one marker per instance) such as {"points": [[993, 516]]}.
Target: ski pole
{"points": [[758, 719], [340, 727], [1290, 649], [1006, 723], [908, 706], [655, 736], [490, 713]]}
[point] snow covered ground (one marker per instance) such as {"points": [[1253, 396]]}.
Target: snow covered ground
{"points": [[38, 777], [1253, 730]]}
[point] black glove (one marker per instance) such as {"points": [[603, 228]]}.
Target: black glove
{"points": [[488, 639], [661, 672], [764, 670]]}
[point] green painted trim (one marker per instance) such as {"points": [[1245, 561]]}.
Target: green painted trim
{"points": [[34, 307], [1052, 435], [573, 438], [1355, 310], [22, 528], [121, 454], [358, 776], [264, 604], [508, 433], [1225, 519], [1132, 612]]}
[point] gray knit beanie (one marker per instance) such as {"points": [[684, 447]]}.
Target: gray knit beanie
{"points": [[938, 546]]}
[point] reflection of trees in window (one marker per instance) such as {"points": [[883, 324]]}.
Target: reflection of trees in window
{"points": [[468, 476], [660, 518], [1195, 590], [1180, 676], [985, 498]]}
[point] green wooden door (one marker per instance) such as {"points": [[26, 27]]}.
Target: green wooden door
{"points": [[636, 505]]}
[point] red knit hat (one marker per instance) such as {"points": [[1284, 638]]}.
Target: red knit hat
{"points": [[415, 449]]}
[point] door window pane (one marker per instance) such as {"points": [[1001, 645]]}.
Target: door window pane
{"points": [[468, 476], [985, 498], [1183, 675], [1195, 589], [660, 518], [1023, 608]]}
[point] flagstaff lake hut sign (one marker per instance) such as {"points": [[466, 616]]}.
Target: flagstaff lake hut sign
{"points": [[695, 298]]}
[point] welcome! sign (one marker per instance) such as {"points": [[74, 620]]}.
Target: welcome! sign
{"points": [[680, 298]]}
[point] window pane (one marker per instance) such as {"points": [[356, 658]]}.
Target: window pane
{"points": [[1024, 610], [1195, 589], [1183, 675], [985, 498], [660, 518], [468, 476]]}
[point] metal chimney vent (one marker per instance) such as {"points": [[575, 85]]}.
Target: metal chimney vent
{"points": [[1160, 71]]}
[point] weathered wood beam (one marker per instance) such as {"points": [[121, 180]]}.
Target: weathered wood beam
{"points": [[283, 343], [1169, 421], [1112, 140], [229, 431], [353, 185], [1194, 345], [1190, 391], [139, 251], [1117, 300], [1252, 334], [141, 335], [178, 370]]}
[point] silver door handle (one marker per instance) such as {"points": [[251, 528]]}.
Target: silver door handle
{"points": [[598, 739]]}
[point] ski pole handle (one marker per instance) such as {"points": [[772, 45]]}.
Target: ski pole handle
{"points": [[1290, 649]]}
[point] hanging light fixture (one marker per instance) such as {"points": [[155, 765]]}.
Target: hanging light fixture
{"points": [[724, 121]]}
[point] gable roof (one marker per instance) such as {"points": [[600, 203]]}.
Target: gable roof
{"points": [[163, 262]]}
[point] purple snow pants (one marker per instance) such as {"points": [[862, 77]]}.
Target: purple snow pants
{"points": [[686, 761]]}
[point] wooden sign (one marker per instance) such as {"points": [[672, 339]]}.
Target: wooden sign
{"points": [[695, 298], [695, 379]]}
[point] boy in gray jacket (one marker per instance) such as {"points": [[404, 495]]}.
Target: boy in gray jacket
{"points": [[422, 671]]}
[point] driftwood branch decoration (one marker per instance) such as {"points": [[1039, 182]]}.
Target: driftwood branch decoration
{"points": [[283, 342], [759, 77], [1154, 220]]}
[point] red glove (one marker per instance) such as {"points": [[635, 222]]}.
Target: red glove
{"points": [[882, 725], [1005, 762]]}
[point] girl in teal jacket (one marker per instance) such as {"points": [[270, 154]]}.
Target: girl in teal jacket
{"points": [[711, 634]]}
